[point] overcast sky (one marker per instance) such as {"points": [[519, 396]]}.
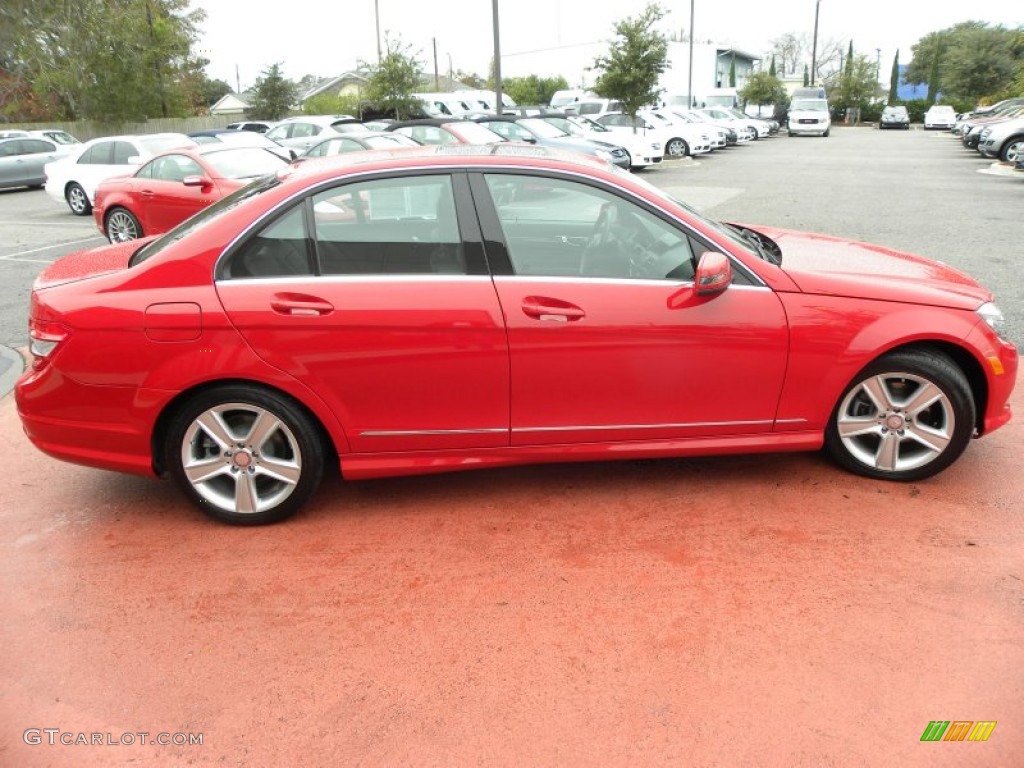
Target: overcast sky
{"points": [[326, 38]]}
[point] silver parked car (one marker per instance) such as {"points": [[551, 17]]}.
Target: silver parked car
{"points": [[1003, 139], [22, 160]]}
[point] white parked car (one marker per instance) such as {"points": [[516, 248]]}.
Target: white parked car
{"points": [[754, 128], [716, 133], [939, 117], [678, 141], [73, 179], [643, 150], [301, 133]]}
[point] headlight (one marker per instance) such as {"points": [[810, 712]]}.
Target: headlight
{"points": [[990, 314]]}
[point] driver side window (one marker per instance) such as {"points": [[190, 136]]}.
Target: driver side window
{"points": [[558, 228]]}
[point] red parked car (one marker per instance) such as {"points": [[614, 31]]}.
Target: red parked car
{"points": [[175, 185], [458, 308]]}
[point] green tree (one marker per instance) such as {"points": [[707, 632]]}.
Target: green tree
{"points": [[933, 75], [771, 69], [807, 77], [764, 88], [212, 91], [393, 82], [634, 63], [894, 78], [107, 60], [857, 86], [732, 71], [273, 95], [533, 89], [975, 60], [331, 104]]}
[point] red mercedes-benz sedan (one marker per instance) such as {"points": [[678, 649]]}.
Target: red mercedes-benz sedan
{"points": [[175, 185], [455, 308]]}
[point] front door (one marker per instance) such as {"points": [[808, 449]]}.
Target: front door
{"points": [[608, 339]]}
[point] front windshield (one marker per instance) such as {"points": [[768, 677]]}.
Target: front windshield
{"points": [[809, 105], [591, 125], [157, 144], [564, 125], [475, 133], [204, 217], [244, 162], [541, 128]]}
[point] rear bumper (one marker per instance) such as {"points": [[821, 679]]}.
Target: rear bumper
{"points": [[113, 432]]}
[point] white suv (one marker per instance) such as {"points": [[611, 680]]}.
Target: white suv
{"points": [[810, 117]]}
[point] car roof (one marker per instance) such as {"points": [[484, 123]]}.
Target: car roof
{"points": [[438, 121], [461, 155]]}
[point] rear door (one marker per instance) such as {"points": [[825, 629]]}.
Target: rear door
{"points": [[375, 294]]}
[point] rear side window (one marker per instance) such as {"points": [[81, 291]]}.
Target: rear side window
{"points": [[123, 151], [389, 226], [98, 154]]}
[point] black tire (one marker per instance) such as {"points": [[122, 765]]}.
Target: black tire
{"points": [[1012, 149], [232, 477], [677, 147], [122, 225], [825, 134], [918, 441], [77, 200]]}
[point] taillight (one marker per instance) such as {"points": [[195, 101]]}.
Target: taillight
{"points": [[44, 338]]}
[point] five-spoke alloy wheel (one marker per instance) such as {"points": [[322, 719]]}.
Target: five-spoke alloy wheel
{"points": [[906, 416], [245, 455], [78, 201]]}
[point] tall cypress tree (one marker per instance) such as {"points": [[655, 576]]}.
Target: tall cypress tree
{"points": [[933, 77], [771, 69], [894, 78], [732, 72]]}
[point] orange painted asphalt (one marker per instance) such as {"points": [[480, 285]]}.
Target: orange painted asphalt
{"points": [[747, 611]]}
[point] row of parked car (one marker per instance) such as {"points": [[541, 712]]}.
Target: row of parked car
{"points": [[140, 185], [996, 131]]}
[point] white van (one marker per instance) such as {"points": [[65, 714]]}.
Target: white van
{"points": [[567, 100], [594, 106], [809, 117]]}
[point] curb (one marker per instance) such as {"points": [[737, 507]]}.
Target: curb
{"points": [[11, 366]]}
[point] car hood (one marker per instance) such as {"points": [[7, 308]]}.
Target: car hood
{"points": [[82, 264], [832, 266]]}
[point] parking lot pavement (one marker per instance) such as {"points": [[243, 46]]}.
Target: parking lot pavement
{"points": [[768, 611]]}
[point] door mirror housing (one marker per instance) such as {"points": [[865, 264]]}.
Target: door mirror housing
{"points": [[714, 273], [196, 181]]}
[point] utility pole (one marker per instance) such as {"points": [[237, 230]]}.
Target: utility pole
{"points": [[376, 16], [814, 47], [689, 71], [498, 105]]}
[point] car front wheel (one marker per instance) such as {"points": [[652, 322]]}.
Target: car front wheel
{"points": [[78, 201], [1012, 149], [907, 416], [677, 148], [244, 455]]}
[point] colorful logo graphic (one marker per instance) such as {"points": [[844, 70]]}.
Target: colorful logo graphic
{"points": [[958, 730]]}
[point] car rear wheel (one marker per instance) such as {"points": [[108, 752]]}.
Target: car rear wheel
{"points": [[244, 455], [122, 226], [677, 147], [78, 201], [825, 134], [907, 416], [1012, 149]]}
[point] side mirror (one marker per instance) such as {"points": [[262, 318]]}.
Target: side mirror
{"points": [[135, 160], [714, 273], [196, 181]]}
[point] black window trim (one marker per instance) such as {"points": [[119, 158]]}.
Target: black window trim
{"points": [[496, 247], [465, 214]]}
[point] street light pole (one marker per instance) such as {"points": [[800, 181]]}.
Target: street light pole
{"points": [[814, 47], [497, 60], [689, 71]]}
